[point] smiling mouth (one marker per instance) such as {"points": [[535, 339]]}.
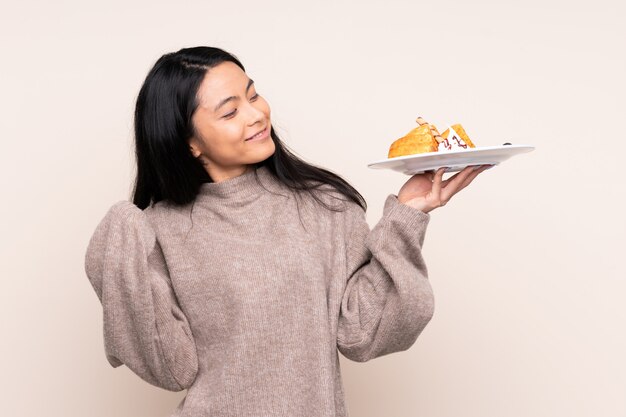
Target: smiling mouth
{"points": [[256, 135]]}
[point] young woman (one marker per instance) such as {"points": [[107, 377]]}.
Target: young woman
{"points": [[239, 271]]}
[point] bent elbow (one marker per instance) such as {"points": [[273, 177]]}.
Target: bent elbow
{"points": [[177, 383], [187, 378], [356, 353], [421, 316]]}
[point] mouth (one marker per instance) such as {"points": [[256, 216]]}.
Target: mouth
{"points": [[259, 134]]}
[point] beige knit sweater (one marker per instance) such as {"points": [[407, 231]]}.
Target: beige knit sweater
{"points": [[245, 296]]}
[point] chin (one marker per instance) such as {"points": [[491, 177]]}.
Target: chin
{"points": [[263, 153], [271, 148]]}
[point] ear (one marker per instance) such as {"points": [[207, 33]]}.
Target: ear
{"points": [[195, 151]]}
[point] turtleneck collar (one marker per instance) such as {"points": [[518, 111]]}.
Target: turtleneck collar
{"points": [[242, 187]]}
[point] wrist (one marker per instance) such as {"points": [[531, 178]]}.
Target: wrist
{"points": [[416, 205]]}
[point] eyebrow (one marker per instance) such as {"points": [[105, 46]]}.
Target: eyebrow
{"points": [[227, 99]]}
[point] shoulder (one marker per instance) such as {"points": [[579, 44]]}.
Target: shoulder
{"points": [[330, 196], [121, 214], [123, 231], [345, 212], [173, 222], [123, 219], [165, 213]]}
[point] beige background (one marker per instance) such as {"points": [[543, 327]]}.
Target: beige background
{"points": [[526, 263]]}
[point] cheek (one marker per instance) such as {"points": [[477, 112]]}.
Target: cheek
{"points": [[232, 131], [219, 139]]}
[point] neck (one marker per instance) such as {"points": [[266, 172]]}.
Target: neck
{"points": [[250, 185], [224, 175]]}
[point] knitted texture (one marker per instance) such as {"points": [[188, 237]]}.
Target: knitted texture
{"points": [[245, 296]]}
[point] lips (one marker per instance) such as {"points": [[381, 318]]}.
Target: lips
{"points": [[259, 132]]}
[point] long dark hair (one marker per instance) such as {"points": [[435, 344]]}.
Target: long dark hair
{"points": [[166, 168]]}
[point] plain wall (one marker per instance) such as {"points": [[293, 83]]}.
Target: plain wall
{"points": [[525, 262]]}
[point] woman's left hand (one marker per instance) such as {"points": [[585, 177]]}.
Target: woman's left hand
{"points": [[427, 191]]}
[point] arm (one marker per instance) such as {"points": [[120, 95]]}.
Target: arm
{"points": [[388, 299], [144, 328]]}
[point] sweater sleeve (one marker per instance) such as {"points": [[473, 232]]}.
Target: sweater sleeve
{"points": [[144, 328], [388, 299]]}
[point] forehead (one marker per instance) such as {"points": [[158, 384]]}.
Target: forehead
{"points": [[221, 81]]}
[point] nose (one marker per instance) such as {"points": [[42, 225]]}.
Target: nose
{"points": [[254, 115]]}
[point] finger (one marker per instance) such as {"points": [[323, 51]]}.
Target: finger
{"points": [[430, 174], [469, 178], [436, 187], [463, 172], [454, 184], [473, 175]]}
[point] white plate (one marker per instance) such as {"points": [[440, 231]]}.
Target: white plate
{"points": [[452, 160]]}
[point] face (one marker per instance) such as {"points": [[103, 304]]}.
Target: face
{"points": [[228, 120]]}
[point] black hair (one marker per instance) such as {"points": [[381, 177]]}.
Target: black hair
{"points": [[166, 168]]}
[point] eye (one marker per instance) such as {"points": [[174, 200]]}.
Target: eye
{"points": [[231, 114], [254, 97]]}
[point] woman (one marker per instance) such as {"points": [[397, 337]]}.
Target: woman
{"points": [[239, 271]]}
